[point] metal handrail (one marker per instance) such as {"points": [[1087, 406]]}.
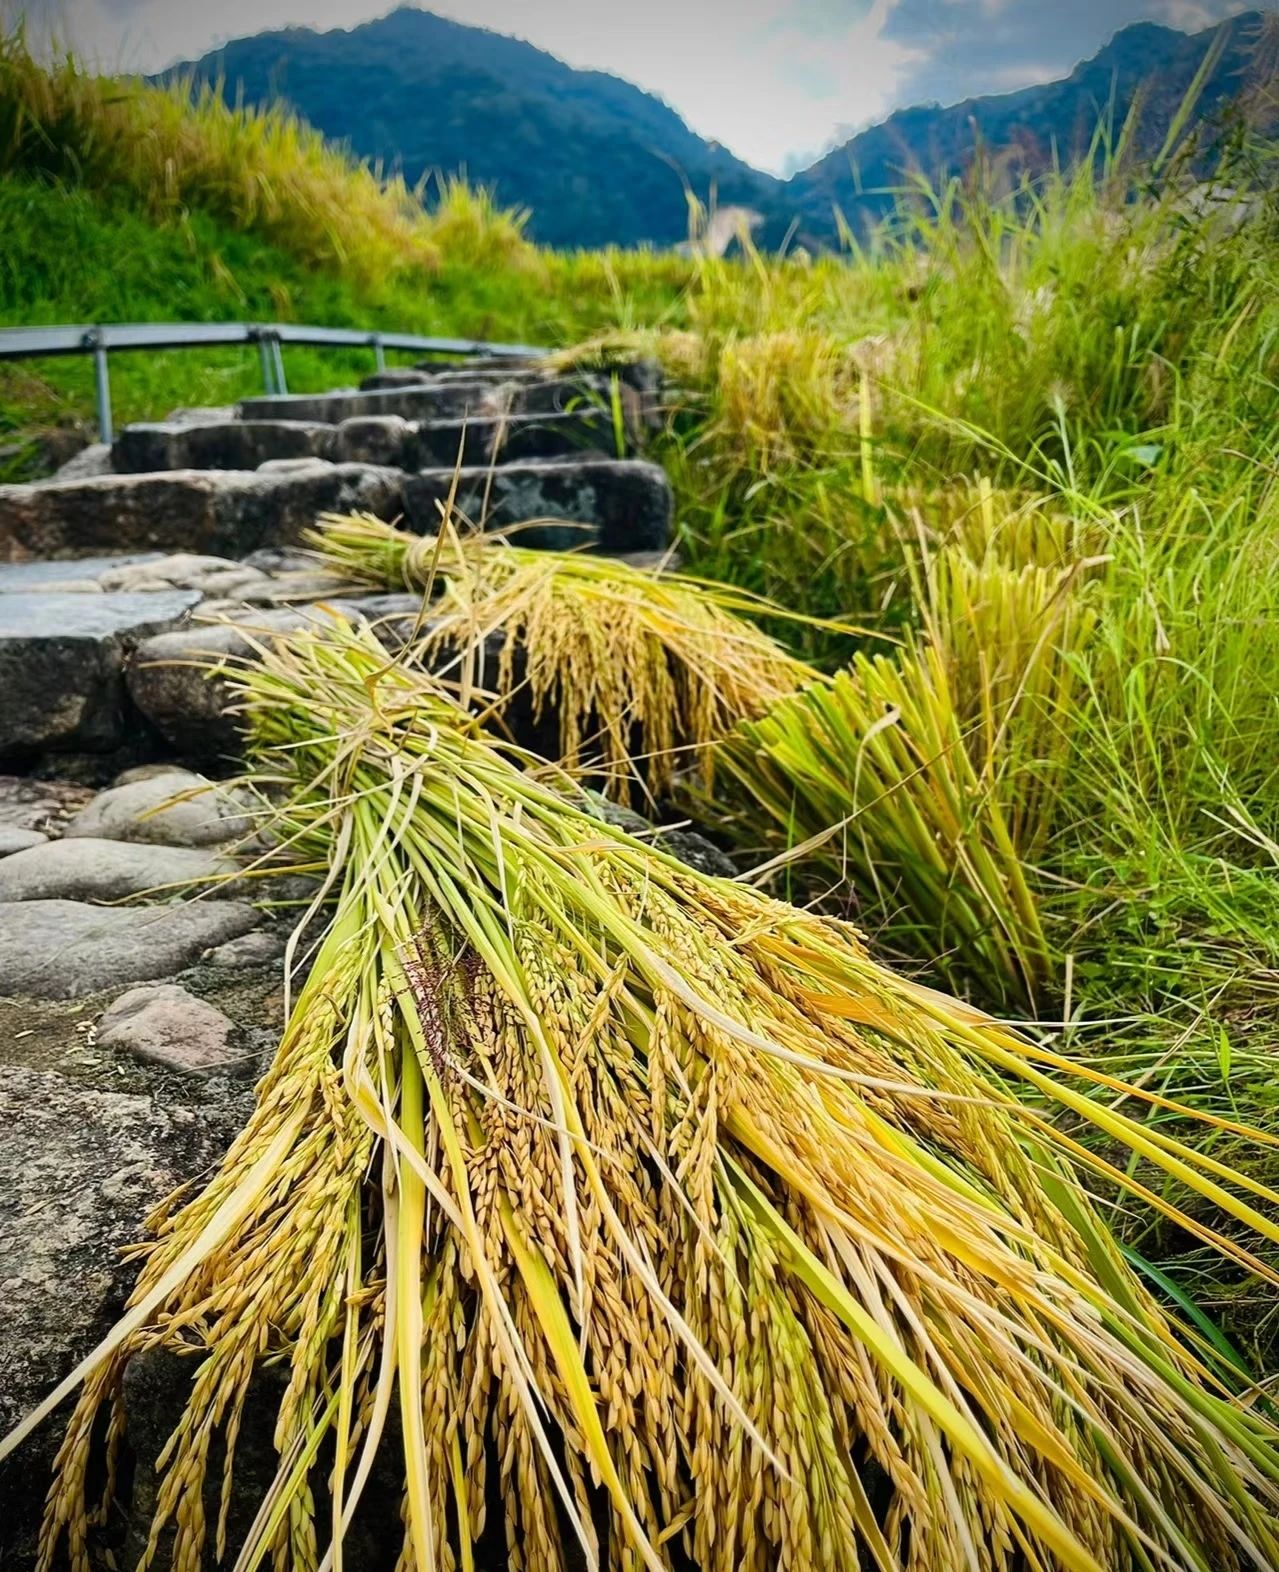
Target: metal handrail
{"points": [[100, 339]]}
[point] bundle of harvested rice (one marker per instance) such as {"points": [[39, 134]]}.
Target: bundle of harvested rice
{"points": [[643, 669], [664, 1215]]}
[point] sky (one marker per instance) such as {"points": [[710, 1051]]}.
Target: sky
{"points": [[775, 81]]}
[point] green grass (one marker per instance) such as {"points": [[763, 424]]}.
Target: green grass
{"points": [[75, 255]]}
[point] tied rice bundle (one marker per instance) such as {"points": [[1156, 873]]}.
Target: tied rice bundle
{"points": [[643, 669], [662, 1214]]}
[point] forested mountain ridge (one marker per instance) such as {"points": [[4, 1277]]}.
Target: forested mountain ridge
{"points": [[598, 161]]}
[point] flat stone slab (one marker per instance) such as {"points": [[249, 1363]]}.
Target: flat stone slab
{"points": [[627, 503], [84, 869], [23, 577], [263, 947], [213, 512], [61, 665], [66, 949], [14, 840], [437, 399], [161, 1023], [229, 444], [174, 808]]}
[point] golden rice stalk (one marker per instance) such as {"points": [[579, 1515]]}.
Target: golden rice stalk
{"points": [[662, 1213], [643, 669], [923, 781]]}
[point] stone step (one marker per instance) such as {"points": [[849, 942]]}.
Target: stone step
{"points": [[418, 445], [628, 504], [62, 659], [438, 399], [148, 446], [436, 373], [471, 365], [231, 513], [152, 447], [214, 512]]}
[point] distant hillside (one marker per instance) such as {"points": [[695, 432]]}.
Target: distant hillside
{"points": [[598, 161], [1027, 129]]}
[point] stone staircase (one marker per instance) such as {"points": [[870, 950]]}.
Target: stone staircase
{"points": [[201, 515]]}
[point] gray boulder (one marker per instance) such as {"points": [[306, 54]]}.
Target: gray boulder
{"points": [[14, 840], [62, 663], [66, 949], [84, 869], [177, 808], [626, 505], [163, 1024], [80, 1168], [264, 947]]}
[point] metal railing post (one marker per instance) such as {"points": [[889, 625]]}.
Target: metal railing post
{"points": [[379, 352], [277, 360], [102, 387], [264, 355]]}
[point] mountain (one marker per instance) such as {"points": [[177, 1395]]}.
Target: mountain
{"points": [[596, 160], [1026, 130], [599, 161]]}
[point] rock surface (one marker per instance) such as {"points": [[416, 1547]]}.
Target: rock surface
{"points": [[628, 504], [437, 398], [65, 949], [163, 1024], [225, 512], [227, 444], [169, 677], [85, 869], [62, 661], [80, 1168], [13, 840], [264, 947], [27, 804], [175, 808]]}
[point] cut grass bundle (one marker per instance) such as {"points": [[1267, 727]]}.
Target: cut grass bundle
{"points": [[643, 669], [663, 1213], [924, 780]]}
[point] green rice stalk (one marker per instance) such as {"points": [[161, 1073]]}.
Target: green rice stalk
{"points": [[923, 781], [661, 1210]]}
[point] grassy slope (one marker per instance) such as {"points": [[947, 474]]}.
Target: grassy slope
{"points": [[71, 255]]}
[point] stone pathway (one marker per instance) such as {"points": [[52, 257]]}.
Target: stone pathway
{"points": [[140, 965]]}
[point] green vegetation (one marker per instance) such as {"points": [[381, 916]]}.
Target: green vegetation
{"points": [[1031, 444]]}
